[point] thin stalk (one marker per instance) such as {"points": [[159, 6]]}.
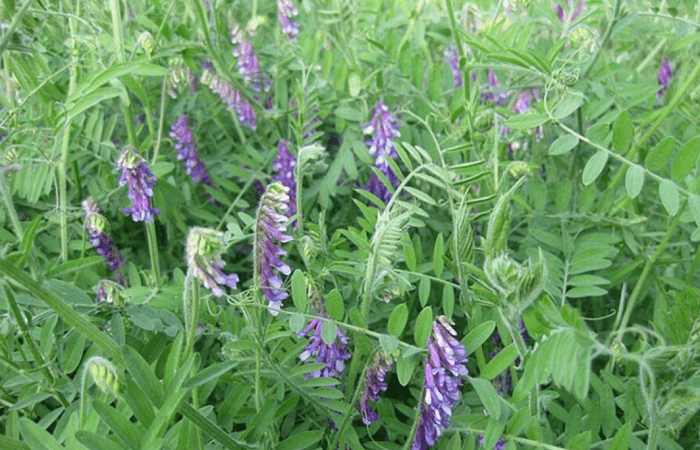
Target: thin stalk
{"points": [[606, 36], [416, 419], [153, 252], [160, 123], [191, 299], [10, 207]]}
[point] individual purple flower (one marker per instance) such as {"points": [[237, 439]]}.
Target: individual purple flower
{"points": [[271, 226], [499, 445], [285, 172], [231, 96], [333, 355], [452, 57], [664, 76], [285, 11], [249, 67], [384, 128], [187, 151], [203, 252], [444, 368], [96, 225], [561, 13], [136, 174], [375, 382]]}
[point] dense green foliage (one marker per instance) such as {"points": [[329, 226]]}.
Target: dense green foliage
{"points": [[552, 198]]}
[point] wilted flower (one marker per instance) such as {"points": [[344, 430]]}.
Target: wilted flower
{"points": [[452, 57], [333, 355], [203, 252], [96, 225], [375, 382], [231, 96], [285, 11], [285, 166], [384, 128], [561, 13], [187, 151], [136, 174], [271, 225], [444, 368], [664, 76]]}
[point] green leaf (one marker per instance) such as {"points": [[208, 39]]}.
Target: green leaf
{"points": [[94, 441], [488, 396], [594, 167], [694, 205], [563, 144], [354, 84], [448, 300], [660, 154], [120, 425], [634, 180], [210, 373], [571, 103], [143, 374], [526, 121], [424, 325], [94, 98], [435, 82], [500, 362], [299, 290], [478, 336], [438, 252], [685, 159], [581, 441], [348, 113], [420, 195], [299, 441], [72, 266], [405, 367], [622, 132], [334, 305], [329, 332], [668, 192], [623, 438], [389, 343], [424, 290], [585, 291], [397, 320], [37, 437], [8, 443], [296, 322]]}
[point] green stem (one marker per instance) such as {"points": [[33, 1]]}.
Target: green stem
{"points": [[10, 207], [416, 420], [7, 35], [153, 252], [191, 299], [160, 123]]}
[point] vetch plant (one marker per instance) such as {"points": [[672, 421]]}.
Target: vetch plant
{"points": [[139, 178], [204, 249], [100, 238]]}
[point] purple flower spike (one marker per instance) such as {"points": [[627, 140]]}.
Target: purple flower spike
{"points": [[136, 174], [204, 249], [333, 355], [231, 96], [285, 165], [664, 76], [285, 11], [271, 226], [249, 67], [187, 151], [444, 368], [452, 57], [375, 382], [384, 128], [96, 225]]}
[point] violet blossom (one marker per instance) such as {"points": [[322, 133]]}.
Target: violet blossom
{"points": [[452, 57], [495, 93], [285, 11], [562, 14], [664, 76], [384, 128], [444, 368], [375, 382], [100, 238], [333, 355], [249, 67], [231, 96], [271, 226], [187, 151], [203, 252], [285, 167], [137, 175]]}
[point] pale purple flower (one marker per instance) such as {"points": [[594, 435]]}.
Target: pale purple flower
{"points": [[100, 238], [495, 93], [444, 368], [285, 166], [285, 11], [203, 251], [187, 151], [562, 14], [137, 175], [384, 128], [375, 382], [333, 355], [271, 226], [664, 76], [452, 57], [230, 95], [249, 67]]}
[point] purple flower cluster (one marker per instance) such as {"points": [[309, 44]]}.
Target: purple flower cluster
{"points": [[271, 226], [664, 76], [137, 175], [231, 96], [249, 67], [561, 14], [203, 251], [452, 57], [333, 355], [375, 382], [384, 128], [285, 166], [96, 226], [285, 11], [495, 93], [444, 368], [187, 151]]}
